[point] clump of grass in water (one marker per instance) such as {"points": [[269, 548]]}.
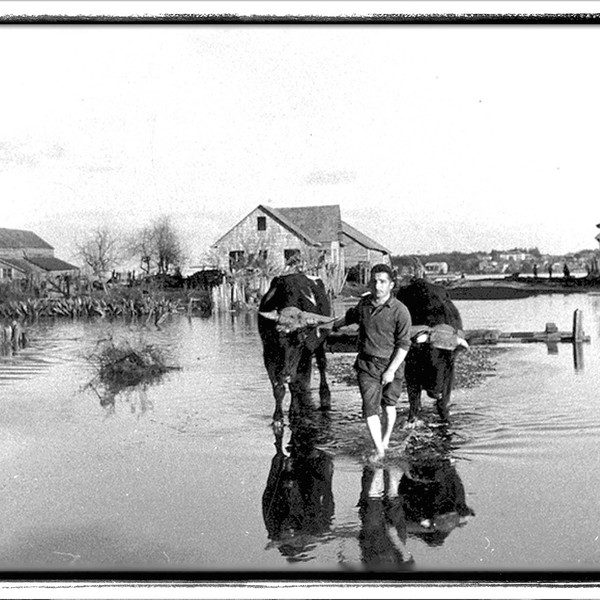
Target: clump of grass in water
{"points": [[127, 363]]}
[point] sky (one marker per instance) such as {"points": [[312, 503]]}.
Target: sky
{"points": [[430, 138]]}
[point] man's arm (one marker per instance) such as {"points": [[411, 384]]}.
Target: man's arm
{"points": [[401, 346], [397, 357], [349, 318]]}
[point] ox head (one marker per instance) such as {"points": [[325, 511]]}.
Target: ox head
{"points": [[297, 330], [442, 336]]}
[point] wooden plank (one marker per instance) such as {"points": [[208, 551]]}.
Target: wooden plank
{"points": [[346, 341]]}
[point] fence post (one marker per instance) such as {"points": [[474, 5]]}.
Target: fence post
{"points": [[577, 326]]}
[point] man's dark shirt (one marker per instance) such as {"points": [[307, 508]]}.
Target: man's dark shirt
{"points": [[382, 329]]}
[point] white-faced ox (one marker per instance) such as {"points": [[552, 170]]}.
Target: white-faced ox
{"points": [[437, 334], [289, 315]]}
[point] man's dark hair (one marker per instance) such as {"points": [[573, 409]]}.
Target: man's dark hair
{"points": [[382, 268]]}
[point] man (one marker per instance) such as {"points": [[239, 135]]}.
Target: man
{"points": [[383, 342]]}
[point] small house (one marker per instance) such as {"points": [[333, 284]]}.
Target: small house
{"points": [[26, 257]]}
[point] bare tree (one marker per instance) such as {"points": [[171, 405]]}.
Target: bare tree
{"points": [[101, 251], [158, 246], [142, 245], [168, 245]]}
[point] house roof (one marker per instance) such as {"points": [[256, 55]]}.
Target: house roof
{"points": [[49, 263], [316, 225], [323, 223], [19, 238], [282, 220], [362, 239], [281, 215], [17, 263]]}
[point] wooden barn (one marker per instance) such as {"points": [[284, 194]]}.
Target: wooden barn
{"points": [[315, 236]]}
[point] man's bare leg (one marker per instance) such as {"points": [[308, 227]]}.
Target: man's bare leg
{"points": [[374, 426], [389, 420]]}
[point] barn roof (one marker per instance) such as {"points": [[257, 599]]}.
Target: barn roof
{"points": [[49, 263], [323, 223], [282, 220], [362, 239], [17, 263], [19, 238], [281, 215]]}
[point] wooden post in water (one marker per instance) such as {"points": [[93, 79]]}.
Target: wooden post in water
{"points": [[578, 334]]}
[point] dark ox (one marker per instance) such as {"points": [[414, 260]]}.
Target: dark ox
{"points": [[289, 315], [437, 333]]}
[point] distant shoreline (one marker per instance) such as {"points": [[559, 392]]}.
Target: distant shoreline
{"points": [[512, 287]]}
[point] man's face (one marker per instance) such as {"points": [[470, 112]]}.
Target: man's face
{"points": [[381, 285]]}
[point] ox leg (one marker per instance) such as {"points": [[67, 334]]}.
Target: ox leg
{"points": [[324, 392], [274, 371], [300, 385], [279, 394], [443, 401], [414, 401]]}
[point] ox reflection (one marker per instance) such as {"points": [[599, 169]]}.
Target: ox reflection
{"points": [[297, 503], [430, 360], [434, 500], [289, 317]]}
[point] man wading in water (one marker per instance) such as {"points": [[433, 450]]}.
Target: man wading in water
{"points": [[383, 342]]}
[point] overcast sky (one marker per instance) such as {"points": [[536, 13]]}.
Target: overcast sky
{"points": [[429, 137]]}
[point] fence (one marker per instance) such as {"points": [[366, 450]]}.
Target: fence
{"points": [[243, 290]]}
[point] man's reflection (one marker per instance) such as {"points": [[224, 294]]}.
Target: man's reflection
{"points": [[383, 533], [433, 499], [298, 501]]}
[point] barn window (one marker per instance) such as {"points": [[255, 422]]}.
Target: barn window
{"points": [[236, 259], [7, 273], [291, 256], [261, 223]]}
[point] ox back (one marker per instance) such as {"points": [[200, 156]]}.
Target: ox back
{"points": [[288, 356], [429, 368]]}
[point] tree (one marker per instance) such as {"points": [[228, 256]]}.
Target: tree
{"points": [[101, 251], [142, 244], [158, 246], [169, 250]]}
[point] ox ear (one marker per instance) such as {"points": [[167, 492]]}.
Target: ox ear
{"points": [[273, 315]]}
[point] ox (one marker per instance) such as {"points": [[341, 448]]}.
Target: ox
{"points": [[289, 317], [437, 333]]}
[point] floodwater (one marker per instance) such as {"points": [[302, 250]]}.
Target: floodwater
{"points": [[186, 475]]}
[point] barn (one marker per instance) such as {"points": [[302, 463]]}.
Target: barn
{"points": [[275, 239]]}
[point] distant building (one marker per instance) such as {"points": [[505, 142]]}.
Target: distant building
{"points": [[26, 256], [436, 268], [285, 236]]}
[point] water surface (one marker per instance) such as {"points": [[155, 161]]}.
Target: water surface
{"points": [[180, 476]]}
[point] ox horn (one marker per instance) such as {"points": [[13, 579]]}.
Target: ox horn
{"points": [[315, 319], [462, 342], [273, 315]]}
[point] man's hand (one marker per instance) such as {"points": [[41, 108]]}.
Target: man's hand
{"points": [[388, 376]]}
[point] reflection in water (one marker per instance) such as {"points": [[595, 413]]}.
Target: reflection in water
{"points": [[298, 503], [433, 498], [136, 397], [382, 536], [417, 494]]}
